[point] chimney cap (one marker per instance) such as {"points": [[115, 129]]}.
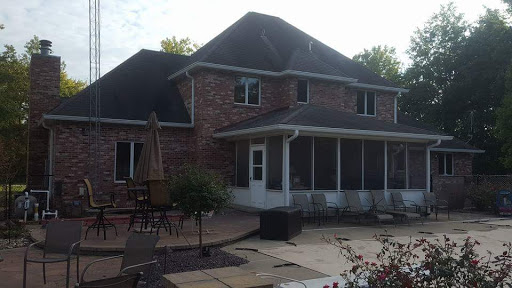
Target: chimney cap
{"points": [[45, 47]]}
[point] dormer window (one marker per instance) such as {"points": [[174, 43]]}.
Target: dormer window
{"points": [[303, 91], [366, 103], [247, 90]]}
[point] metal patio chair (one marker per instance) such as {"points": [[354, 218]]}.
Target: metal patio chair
{"points": [[140, 211], [301, 201], [435, 203], [137, 258], [325, 207], [123, 281], [160, 201], [101, 221], [355, 207], [400, 207], [61, 242]]}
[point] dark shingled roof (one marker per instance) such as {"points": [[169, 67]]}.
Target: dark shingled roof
{"points": [[317, 116], [133, 89]]}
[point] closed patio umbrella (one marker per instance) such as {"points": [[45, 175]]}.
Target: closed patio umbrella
{"points": [[150, 165]]}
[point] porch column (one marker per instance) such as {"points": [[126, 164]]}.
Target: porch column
{"points": [[385, 165], [286, 170], [428, 163], [338, 174]]}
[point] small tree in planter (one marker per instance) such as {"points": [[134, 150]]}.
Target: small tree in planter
{"points": [[197, 190]]}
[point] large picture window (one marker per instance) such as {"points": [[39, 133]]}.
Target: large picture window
{"points": [[325, 163], [366, 103], [300, 163], [396, 165], [351, 164], [373, 165], [247, 90], [127, 158], [275, 162], [242, 163]]}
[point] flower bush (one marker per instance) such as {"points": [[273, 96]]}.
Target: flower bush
{"points": [[426, 263]]}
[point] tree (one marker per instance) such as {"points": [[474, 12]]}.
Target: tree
{"points": [[383, 61], [183, 46], [504, 123], [197, 191]]}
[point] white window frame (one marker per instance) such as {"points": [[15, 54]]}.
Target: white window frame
{"points": [[444, 164], [247, 91], [307, 91], [366, 103], [132, 160]]}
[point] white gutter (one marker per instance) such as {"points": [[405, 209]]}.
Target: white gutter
{"points": [[261, 72], [377, 87], [115, 121], [286, 181], [191, 100], [396, 106], [455, 150], [428, 162], [51, 150], [337, 131]]}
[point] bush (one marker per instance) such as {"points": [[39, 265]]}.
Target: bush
{"points": [[483, 194], [443, 263]]}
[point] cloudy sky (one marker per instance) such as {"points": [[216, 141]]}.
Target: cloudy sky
{"points": [[130, 25]]}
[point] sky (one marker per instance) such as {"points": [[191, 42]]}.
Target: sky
{"points": [[130, 25]]}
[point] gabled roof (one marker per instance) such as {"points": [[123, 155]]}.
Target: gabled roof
{"points": [[262, 42], [133, 89], [316, 118]]}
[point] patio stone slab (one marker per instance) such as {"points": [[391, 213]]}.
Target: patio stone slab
{"points": [[203, 284], [246, 281], [172, 280], [226, 272], [228, 277]]}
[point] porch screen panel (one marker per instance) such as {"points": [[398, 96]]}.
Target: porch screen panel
{"points": [[242, 163], [351, 164], [417, 165], [275, 162], [326, 163], [300, 163], [373, 165], [396, 165]]}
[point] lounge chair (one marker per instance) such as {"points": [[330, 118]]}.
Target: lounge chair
{"points": [[306, 209], [400, 207], [137, 257], [101, 221], [433, 202], [356, 208], [325, 207], [62, 242]]}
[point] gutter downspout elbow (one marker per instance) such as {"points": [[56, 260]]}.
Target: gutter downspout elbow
{"points": [[286, 180], [428, 163], [295, 135], [192, 100]]}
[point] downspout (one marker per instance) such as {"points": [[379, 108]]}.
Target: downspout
{"points": [[192, 100], [50, 158], [428, 162], [286, 182], [396, 106]]}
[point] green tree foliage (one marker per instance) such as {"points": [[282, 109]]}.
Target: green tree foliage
{"points": [[383, 61], [183, 46], [197, 191], [504, 123]]}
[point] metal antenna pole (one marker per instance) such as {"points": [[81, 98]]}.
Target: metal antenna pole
{"points": [[94, 93]]}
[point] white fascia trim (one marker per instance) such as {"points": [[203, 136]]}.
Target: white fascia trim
{"points": [[377, 87], [455, 150], [115, 121], [291, 128], [262, 72]]}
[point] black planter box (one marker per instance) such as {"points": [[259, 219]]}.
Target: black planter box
{"points": [[280, 223]]}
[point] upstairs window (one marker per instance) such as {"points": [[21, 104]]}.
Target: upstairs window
{"points": [[366, 103], [445, 164], [127, 157], [303, 91], [247, 90]]}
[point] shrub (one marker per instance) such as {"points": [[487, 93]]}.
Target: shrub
{"points": [[483, 194], [443, 263]]}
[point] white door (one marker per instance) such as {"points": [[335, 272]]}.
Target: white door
{"points": [[257, 176]]}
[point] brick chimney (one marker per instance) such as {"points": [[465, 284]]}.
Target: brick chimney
{"points": [[43, 97]]}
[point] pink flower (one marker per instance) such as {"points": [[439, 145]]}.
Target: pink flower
{"points": [[374, 264], [366, 262], [474, 262], [335, 284], [382, 276], [360, 257], [326, 286], [335, 235]]}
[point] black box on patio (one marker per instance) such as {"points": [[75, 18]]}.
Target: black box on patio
{"points": [[280, 223]]}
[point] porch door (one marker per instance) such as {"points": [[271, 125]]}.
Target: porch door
{"points": [[257, 176]]}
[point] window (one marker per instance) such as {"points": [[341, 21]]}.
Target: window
{"points": [[351, 164], [396, 165], [247, 90], [275, 162], [326, 156], [300, 163], [366, 103], [127, 158], [416, 165], [303, 91], [445, 164], [373, 165], [242, 163]]}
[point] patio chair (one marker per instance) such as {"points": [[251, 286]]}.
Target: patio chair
{"points": [[400, 207], [140, 211], [123, 281], [101, 221], [355, 207], [160, 201], [137, 258], [433, 202], [61, 242], [301, 201], [325, 207]]}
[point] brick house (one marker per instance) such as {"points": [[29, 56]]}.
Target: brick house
{"points": [[267, 106]]}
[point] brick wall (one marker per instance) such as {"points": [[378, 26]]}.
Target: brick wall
{"points": [[451, 188], [43, 97]]}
